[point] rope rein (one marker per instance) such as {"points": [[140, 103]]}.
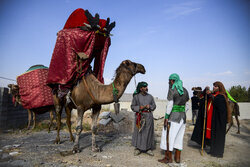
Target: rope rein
{"points": [[135, 81], [115, 92]]}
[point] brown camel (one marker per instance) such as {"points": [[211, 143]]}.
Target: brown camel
{"points": [[14, 90], [90, 93], [234, 109], [236, 113]]}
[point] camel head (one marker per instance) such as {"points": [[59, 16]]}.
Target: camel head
{"points": [[132, 67], [198, 89], [14, 90]]}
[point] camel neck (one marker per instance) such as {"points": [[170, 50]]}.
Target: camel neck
{"points": [[121, 82]]}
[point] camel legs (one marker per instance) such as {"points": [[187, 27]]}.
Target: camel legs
{"points": [[58, 120], [34, 120], [80, 112], [230, 125], [68, 121], [51, 119], [29, 118], [238, 123], [95, 114]]}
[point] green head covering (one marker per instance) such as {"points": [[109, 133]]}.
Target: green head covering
{"points": [[139, 86], [177, 83]]}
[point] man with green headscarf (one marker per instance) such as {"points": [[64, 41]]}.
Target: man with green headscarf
{"points": [[143, 104], [175, 116]]}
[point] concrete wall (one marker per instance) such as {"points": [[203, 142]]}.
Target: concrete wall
{"points": [[161, 108], [244, 110], [10, 116], [15, 117]]}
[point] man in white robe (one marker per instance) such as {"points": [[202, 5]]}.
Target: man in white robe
{"points": [[175, 116]]}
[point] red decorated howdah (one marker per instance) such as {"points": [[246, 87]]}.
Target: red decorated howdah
{"points": [[66, 66], [33, 89], [78, 18]]}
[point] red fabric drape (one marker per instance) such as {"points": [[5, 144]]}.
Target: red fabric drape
{"points": [[13, 99], [78, 18], [138, 119], [63, 65], [33, 89], [209, 117]]}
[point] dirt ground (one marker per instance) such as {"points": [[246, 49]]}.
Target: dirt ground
{"points": [[37, 148]]}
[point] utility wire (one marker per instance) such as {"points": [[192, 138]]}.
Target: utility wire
{"points": [[7, 79]]}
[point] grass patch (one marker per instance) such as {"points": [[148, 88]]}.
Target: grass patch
{"points": [[41, 126], [86, 127]]}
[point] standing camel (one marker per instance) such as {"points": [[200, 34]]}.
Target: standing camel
{"points": [[14, 90], [235, 112], [91, 93]]}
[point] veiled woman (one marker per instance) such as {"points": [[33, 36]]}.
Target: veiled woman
{"points": [[218, 115]]}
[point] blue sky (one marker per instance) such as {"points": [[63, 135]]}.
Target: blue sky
{"points": [[202, 40]]}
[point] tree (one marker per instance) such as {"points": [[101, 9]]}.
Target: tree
{"points": [[248, 94], [240, 94]]}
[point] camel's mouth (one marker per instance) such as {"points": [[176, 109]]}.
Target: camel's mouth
{"points": [[141, 69]]}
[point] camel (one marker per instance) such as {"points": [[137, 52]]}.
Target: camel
{"points": [[14, 90], [91, 93], [234, 110]]}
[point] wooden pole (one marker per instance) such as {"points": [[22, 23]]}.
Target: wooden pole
{"points": [[168, 126], [204, 125]]}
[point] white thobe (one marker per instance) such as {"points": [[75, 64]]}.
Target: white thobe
{"points": [[176, 131]]}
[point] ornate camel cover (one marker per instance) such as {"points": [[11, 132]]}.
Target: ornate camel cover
{"points": [[66, 66], [33, 89]]}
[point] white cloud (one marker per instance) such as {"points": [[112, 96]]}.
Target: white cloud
{"points": [[183, 9], [226, 73], [247, 72]]}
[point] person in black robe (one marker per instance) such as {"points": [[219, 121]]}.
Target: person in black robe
{"points": [[198, 129], [220, 117], [195, 106]]}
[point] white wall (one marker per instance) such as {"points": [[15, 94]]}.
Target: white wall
{"points": [[244, 110], [161, 108]]}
